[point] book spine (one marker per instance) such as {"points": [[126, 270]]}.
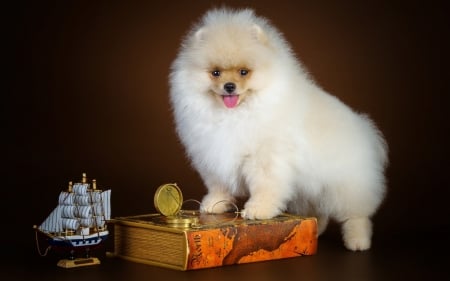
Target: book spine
{"points": [[250, 243]]}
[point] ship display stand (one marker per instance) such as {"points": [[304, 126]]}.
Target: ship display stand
{"points": [[78, 224]]}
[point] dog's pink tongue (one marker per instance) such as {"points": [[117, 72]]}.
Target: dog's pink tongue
{"points": [[230, 100]]}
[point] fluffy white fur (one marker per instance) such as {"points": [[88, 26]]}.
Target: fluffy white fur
{"points": [[288, 145]]}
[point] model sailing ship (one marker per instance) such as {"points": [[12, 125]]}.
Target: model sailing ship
{"points": [[79, 221]]}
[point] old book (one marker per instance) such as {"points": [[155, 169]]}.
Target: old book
{"points": [[203, 241]]}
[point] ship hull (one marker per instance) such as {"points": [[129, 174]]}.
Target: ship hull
{"points": [[76, 242]]}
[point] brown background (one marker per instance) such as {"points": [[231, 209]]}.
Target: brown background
{"points": [[87, 91]]}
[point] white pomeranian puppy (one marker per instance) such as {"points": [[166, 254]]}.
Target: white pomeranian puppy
{"points": [[255, 125]]}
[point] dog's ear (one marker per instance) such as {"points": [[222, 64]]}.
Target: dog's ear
{"points": [[259, 34], [200, 34]]}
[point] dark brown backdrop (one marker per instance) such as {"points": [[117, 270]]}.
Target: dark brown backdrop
{"points": [[87, 91]]}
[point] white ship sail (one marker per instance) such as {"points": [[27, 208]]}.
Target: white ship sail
{"points": [[82, 210], [53, 223], [106, 203]]}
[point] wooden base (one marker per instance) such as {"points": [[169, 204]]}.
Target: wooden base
{"points": [[78, 262]]}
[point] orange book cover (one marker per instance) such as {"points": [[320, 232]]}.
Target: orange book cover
{"points": [[212, 240]]}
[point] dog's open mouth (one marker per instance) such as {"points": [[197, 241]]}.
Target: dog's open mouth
{"points": [[230, 101]]}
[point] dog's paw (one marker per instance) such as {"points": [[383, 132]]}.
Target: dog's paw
{"points": [[357, 234], [357, 243], [216, 204], [258, 211]]}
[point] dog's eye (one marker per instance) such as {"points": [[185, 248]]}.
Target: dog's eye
{"points": [[215, 73], [243, 72]]}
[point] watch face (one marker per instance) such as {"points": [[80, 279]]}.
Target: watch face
{"points": [[168, 199]]}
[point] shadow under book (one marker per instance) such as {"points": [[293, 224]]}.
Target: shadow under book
{"points": [[212, 240]]}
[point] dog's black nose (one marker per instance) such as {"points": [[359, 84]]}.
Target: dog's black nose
{"points": [[229, 87]]}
